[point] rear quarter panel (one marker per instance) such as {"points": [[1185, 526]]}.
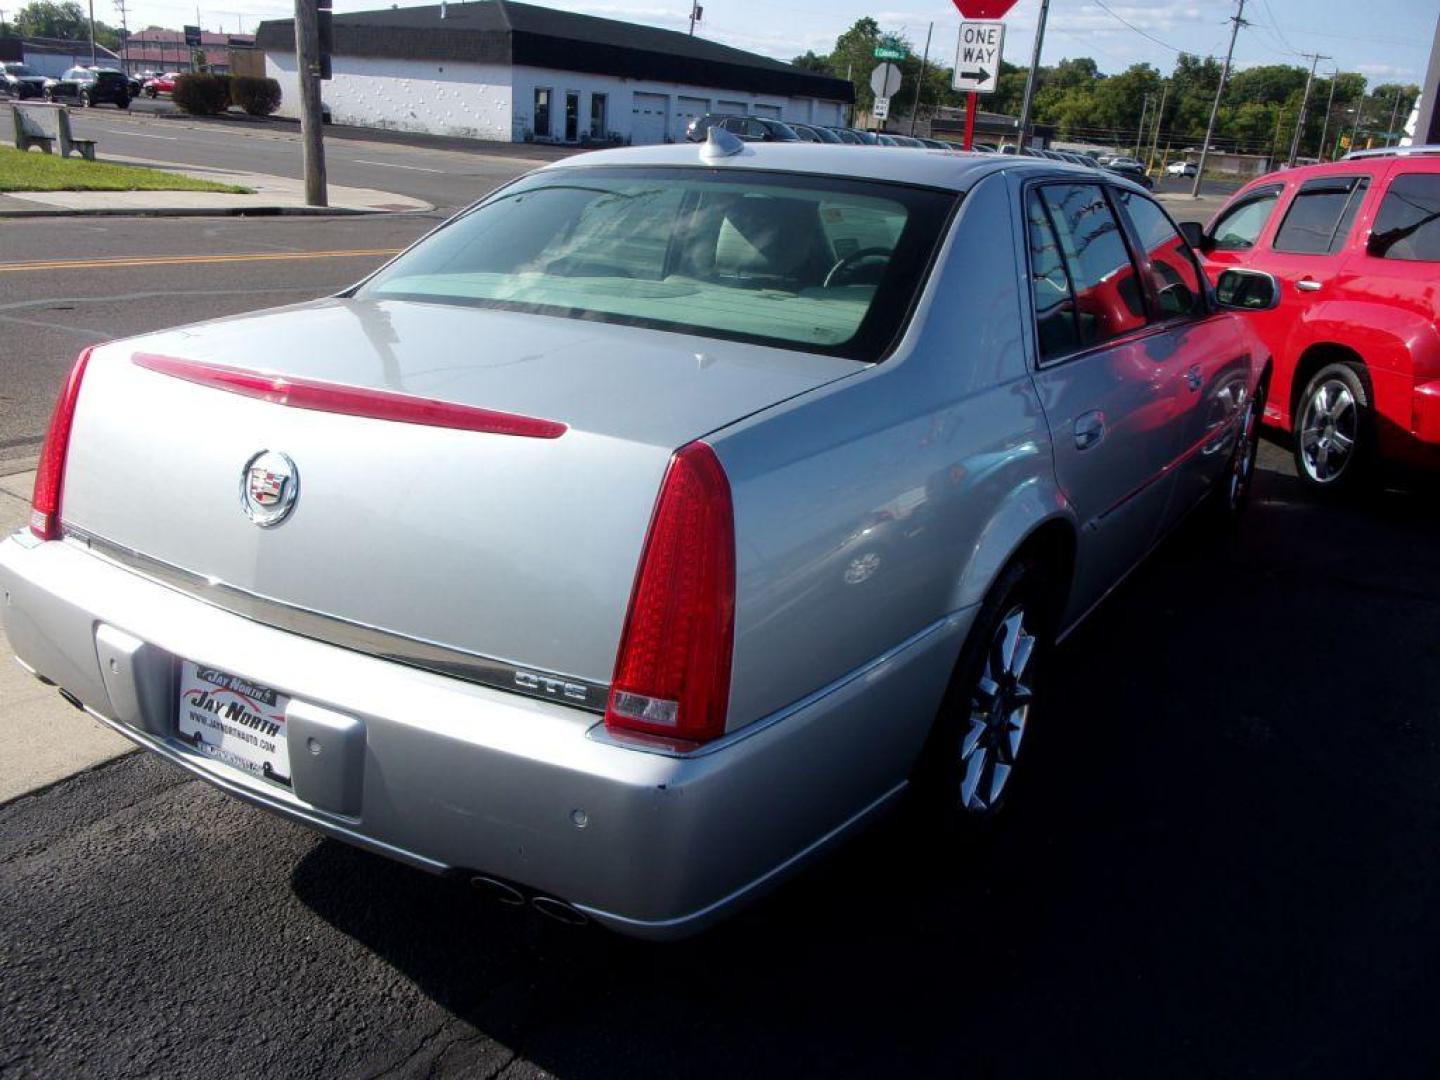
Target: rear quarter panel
{"points": [[871, 509]]}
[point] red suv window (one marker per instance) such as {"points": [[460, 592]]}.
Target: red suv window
{"points": [[1408, 224], [1320, 216]]}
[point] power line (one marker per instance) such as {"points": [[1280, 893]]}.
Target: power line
{"points": [[1276, 24], [1132, 26]]}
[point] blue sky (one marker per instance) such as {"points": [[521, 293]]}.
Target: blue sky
{"points": [[1390, 41]]}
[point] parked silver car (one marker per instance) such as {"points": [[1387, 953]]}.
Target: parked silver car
{"points": [[650, 525]]}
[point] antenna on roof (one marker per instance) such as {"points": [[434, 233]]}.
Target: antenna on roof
{"points": [[720, 143]]}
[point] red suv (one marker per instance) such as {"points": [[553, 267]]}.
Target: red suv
{"points": [[1355, 246]]}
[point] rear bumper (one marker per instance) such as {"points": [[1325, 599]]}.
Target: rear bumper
{"points": [[452, 776]]}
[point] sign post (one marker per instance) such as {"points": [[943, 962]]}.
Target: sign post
{"points": [[978, 52], [885, 82]]}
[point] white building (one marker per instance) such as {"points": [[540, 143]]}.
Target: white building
{"points": [[495, 69], [52, 57]]}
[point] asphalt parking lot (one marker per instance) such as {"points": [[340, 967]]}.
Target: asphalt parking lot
{"points": [[1217, 862]]}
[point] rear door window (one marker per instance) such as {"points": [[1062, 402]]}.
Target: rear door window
{"points": [[1049, 284], [1319, 219], [1239, 228], [1408, 224]]}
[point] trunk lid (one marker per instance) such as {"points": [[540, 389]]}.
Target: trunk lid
{"points": [[517, 549]]}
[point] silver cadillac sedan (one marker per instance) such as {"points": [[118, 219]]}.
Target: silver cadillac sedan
{"points": [[652, 524]]}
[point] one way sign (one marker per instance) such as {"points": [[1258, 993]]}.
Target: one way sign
{"points": [[977, 60]]}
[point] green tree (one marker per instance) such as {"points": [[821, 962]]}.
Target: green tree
{"points": [[811, 62], [853, 58], [66, 21]]}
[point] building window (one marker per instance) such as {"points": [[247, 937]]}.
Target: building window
{"points": [[572, 115], [542, 112], [597, 116]]}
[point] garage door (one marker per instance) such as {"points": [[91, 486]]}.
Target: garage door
{"points": [[730, 108], [647, 125], [687, 109], [771, 111], [827, 112]]}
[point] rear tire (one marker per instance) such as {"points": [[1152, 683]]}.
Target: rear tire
{"points": [[966, 770], [1334, 430]]}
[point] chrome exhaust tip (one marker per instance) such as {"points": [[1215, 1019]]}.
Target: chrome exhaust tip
{"points": [[559, 911], [498, 891]]}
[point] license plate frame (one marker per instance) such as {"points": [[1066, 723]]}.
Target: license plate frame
{"points": [[235, 721]]}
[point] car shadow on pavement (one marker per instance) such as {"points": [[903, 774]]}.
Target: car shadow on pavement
{"points": [[1216, 861]]}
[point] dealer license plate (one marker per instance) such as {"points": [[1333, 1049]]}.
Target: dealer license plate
{"points": [[235, 721]]}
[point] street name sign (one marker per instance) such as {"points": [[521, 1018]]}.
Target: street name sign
{"points": [[885, 80], [977, 57], [881, 109], [890, 47]]}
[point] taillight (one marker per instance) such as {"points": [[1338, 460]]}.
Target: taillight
{"points": [[672, 674], [50, 473]]}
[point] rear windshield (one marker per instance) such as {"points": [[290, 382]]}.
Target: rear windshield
{"points": [[803, 262]]}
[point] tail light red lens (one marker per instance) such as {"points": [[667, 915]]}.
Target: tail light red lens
{"points": [[672, 674], [50, 473]]}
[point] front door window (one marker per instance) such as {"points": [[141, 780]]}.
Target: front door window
{"points": [[542, 113]]}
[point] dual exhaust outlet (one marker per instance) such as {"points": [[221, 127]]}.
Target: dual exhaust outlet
{"points": [[503, 892]]}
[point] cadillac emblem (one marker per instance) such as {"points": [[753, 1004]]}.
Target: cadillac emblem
{"points": [[269, 485]]}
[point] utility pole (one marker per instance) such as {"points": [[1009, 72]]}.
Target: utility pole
{"points": [[307, 69], [1238, 19], [1324, 154], [1034, 74], [696, 12], [1140, 134], [1315, 59], [1159, 116], [1390, 130], [915, 105], [124, 37], [94, 59]]}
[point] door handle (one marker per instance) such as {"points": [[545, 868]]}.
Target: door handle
{"points": [[1089, 430], [1193, 378], [1307, 285]]}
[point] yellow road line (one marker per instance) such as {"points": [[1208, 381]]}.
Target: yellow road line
{"points": [[192, 260]]}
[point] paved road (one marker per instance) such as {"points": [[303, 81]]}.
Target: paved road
{"points": [[448, 177], [180, 270], [1218, 862]]}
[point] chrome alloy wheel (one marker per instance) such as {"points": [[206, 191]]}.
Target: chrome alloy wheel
{"points": [[999, 708], [1246, 447], [1328, 430]]}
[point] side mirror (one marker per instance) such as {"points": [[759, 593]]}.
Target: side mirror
{"points": [[1194, 234], [1247, 290]]}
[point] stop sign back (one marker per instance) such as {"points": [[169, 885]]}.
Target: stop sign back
{"points": [[984, 9]]}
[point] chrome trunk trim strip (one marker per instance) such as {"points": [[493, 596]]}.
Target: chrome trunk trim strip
{"points": [[358, 637]]}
